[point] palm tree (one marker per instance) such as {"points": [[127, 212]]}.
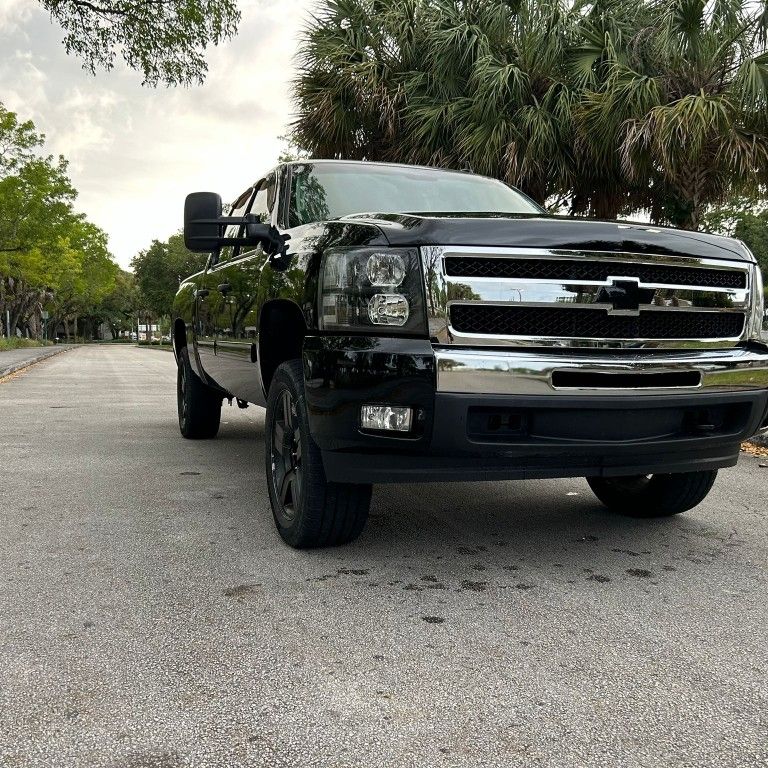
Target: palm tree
{"points": [[683, 107], [479, 85], [608, 107]]}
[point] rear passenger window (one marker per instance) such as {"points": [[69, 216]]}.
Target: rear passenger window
{"points": [[262, 206], [238, 208]]}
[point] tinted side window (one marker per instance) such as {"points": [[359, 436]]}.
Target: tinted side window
{"points": [[238, 208], [262, 205]]}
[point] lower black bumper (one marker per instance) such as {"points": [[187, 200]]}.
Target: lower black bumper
{"points": [[485, 437]]}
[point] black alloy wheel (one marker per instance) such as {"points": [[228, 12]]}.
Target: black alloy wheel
{"points": [[286, 456], [309, 511]]}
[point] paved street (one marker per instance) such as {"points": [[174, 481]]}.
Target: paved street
{"points": [[150, 617]]}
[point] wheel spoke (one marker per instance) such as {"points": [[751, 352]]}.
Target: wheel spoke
{"points": [[286, 489], [278, 436], [296, 492], [285, 404]]}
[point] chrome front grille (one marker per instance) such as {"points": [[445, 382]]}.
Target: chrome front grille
{"points": [[569, 269], [593, 323], [526, 297]]}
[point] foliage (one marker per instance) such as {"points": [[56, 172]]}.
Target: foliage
{"points": [[723, 219], [752, 228], [747, 219], [159, 269], [118, 307], [16, 342], [290, 151], [51, 257], [694, 79], [608, 107], [162, 39]]}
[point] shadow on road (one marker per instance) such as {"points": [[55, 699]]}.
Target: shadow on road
{"points": [[469, 528]]}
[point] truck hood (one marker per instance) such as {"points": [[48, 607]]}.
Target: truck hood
{"points": [[554, 232]]}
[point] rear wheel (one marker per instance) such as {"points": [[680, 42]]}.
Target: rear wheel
{"points": [[308, 510], [198, 404], [653, 495]]}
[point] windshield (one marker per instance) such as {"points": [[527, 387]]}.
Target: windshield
{"points": [[323, 191]]}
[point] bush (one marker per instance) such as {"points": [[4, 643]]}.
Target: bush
{"points": [[16, 342]]}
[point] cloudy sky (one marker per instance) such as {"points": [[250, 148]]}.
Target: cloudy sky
{"points": [[135, 152]]}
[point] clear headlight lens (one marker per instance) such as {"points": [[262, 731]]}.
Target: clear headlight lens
{"points": [[372, 289], [385, 269], [388, 309]]}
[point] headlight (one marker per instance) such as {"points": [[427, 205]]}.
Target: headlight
{"points": [[373, 289]]}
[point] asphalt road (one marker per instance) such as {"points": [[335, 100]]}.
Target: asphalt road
{"points": [[150, 617]]}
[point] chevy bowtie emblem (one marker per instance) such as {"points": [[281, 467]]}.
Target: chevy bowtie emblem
{"points": [[625, 295]]}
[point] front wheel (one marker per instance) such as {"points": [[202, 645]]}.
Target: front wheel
{"points": [[308, 510], [653, 495]]}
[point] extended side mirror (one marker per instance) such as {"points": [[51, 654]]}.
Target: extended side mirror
{"points": [[204, 228], [202, 232]]}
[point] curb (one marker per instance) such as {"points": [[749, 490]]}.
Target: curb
{"points": [[761, 440], [44, 354]]}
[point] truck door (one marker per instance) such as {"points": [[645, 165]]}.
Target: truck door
{"points": [[234, 286], [210, 304]]}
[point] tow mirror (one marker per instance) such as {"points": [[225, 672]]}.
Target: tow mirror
{"points": [[202, 231], [204, 228]]}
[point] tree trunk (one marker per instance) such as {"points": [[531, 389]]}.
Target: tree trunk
{"points": [[536, 189]]}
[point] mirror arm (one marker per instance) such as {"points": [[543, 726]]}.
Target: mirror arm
{"points": [[274, 243]]}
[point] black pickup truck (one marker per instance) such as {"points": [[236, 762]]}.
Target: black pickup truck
{"points": [[406, 324]]}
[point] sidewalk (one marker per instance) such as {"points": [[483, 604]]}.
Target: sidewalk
{"points": [[14, 359]]}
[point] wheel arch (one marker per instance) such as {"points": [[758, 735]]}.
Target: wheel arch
{"points": [[179, 337], [281, 337]]}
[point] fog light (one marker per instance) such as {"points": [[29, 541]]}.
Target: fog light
{"points": [[388, 309], [392, 418]]}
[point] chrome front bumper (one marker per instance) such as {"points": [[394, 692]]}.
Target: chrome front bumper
{"points": [[483, 371]]}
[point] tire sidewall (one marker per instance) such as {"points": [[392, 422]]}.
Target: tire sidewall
{"points": [[183, 391], [198, 405], [291, 529]]}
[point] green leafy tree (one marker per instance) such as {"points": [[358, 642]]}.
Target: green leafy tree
{"points": [[82, 277], [752, 228], [164, 40], [158, 271], [119, 306], [50, 256], [747, 219]]}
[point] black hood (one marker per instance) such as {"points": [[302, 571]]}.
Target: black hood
{"points": [[555, 232]]}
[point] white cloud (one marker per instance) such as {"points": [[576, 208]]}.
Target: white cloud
{"points": [[14, 14], [135, 152]]}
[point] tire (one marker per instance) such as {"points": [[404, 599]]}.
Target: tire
{"points": [[198, 404], [308, 510], [649, 496]]}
